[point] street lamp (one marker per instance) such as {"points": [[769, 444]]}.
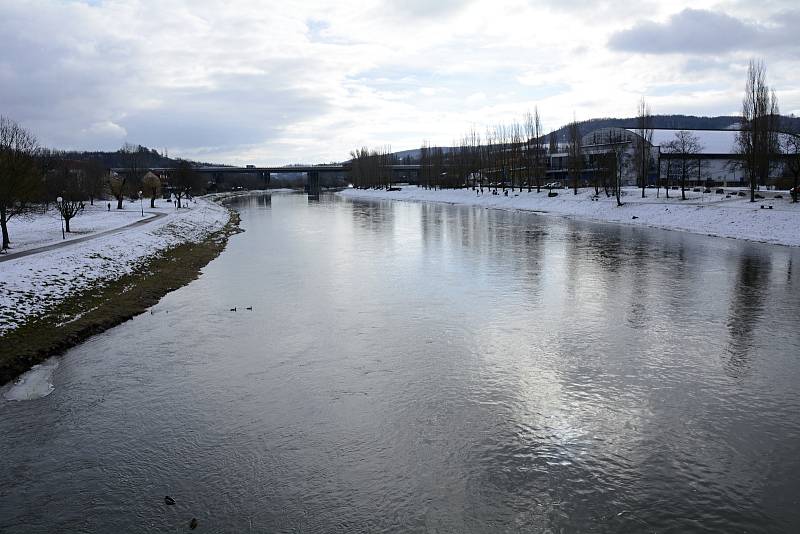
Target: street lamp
{"points": [[61, 216], [140, 203]]}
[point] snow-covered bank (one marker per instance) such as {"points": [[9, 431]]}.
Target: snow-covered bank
{"points": [[707, 214], [32, 284]]}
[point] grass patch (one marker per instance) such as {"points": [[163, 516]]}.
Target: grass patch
{"points": [[99, 308]]}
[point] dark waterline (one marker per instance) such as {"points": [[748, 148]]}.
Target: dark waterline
{"points": [[423, 367]]}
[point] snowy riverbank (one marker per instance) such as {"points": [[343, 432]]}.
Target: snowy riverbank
{"points": [[707, 214], [30, 285]]}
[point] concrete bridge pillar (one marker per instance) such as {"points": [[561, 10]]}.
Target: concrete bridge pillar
{"points": [[313, 182]]}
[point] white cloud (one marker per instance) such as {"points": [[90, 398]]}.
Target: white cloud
{"points": [[276, 82]]}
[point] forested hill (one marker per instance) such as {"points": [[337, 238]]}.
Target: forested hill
{"points": [[147, 158], [675, 122]]}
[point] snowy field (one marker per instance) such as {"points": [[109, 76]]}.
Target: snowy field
{"points": [[709, 214], [31, 284], [36, 230]]}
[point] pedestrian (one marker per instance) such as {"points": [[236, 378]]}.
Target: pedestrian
{"points": [[109, 206]]}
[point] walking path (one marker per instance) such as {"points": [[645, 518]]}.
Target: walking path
{"points": [[14, 255]]}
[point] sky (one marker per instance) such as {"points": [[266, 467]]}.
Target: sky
{"points": [[266, 83]]}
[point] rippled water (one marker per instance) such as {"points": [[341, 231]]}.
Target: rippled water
{"points": [[413, 367]]}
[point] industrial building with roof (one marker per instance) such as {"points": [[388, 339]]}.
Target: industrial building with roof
{"points": [[716, 159]]}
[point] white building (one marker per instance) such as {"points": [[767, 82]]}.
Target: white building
{"points": [[717, 160]]}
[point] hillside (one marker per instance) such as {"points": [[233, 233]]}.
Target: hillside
{"points": [[148, 158]]}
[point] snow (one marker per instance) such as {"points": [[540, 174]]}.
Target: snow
{"points": [[707, 214], [35, 384], [32, 231], [29, 285]]}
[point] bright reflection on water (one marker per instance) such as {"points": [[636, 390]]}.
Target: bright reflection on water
{"points": [[412, 367]]}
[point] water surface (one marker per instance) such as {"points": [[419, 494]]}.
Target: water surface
{"points": [[422, 367]]}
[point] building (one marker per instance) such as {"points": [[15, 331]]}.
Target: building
{"points": [[716, 160]]}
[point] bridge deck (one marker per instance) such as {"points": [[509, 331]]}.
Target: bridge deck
{"points": [[283, 169]]}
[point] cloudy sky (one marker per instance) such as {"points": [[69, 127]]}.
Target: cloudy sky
{"points": [[247, 81]]}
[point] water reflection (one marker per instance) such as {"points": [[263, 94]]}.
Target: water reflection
{"points": [[751, 289]]}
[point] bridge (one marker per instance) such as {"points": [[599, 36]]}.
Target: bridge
{"points": [[312, 172]]}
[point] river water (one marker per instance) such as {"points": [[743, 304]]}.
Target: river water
{"points": [[424, 367]]}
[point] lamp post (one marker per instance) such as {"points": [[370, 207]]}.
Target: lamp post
{"points": [[61, 216], [141, 205]]}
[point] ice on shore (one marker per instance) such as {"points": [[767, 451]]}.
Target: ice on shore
{"points": [[35, 384]]}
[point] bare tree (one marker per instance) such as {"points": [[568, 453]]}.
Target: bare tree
{"points": [[618, 147], [575, 158], [132, 157], [791, 151], [20, 181], [117, 186], [515, 134], [94, 177], [684, 150], [535, 152], [553, 145], [68, 182], [608, 169], [185, 181], [644, 129], [151, 187], [757, 141]]}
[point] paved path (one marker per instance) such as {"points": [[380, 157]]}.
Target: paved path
{"points": [[60, 244]]}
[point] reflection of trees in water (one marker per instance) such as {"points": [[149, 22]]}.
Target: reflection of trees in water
{"points": [[638, 316], [747, 302], [373, 216], [251, 200], [620, 265], [574, 253], [608, 249], [263, 201]]}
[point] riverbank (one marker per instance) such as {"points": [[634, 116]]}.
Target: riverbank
{"points": [[53, 300], [707, 214]]}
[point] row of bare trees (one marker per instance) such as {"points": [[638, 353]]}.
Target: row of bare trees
{"points": [[507, 156], [512, 156], [517, 155], [371, 168]]}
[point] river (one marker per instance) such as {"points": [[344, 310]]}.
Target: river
{"points": [[427, 367]]}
